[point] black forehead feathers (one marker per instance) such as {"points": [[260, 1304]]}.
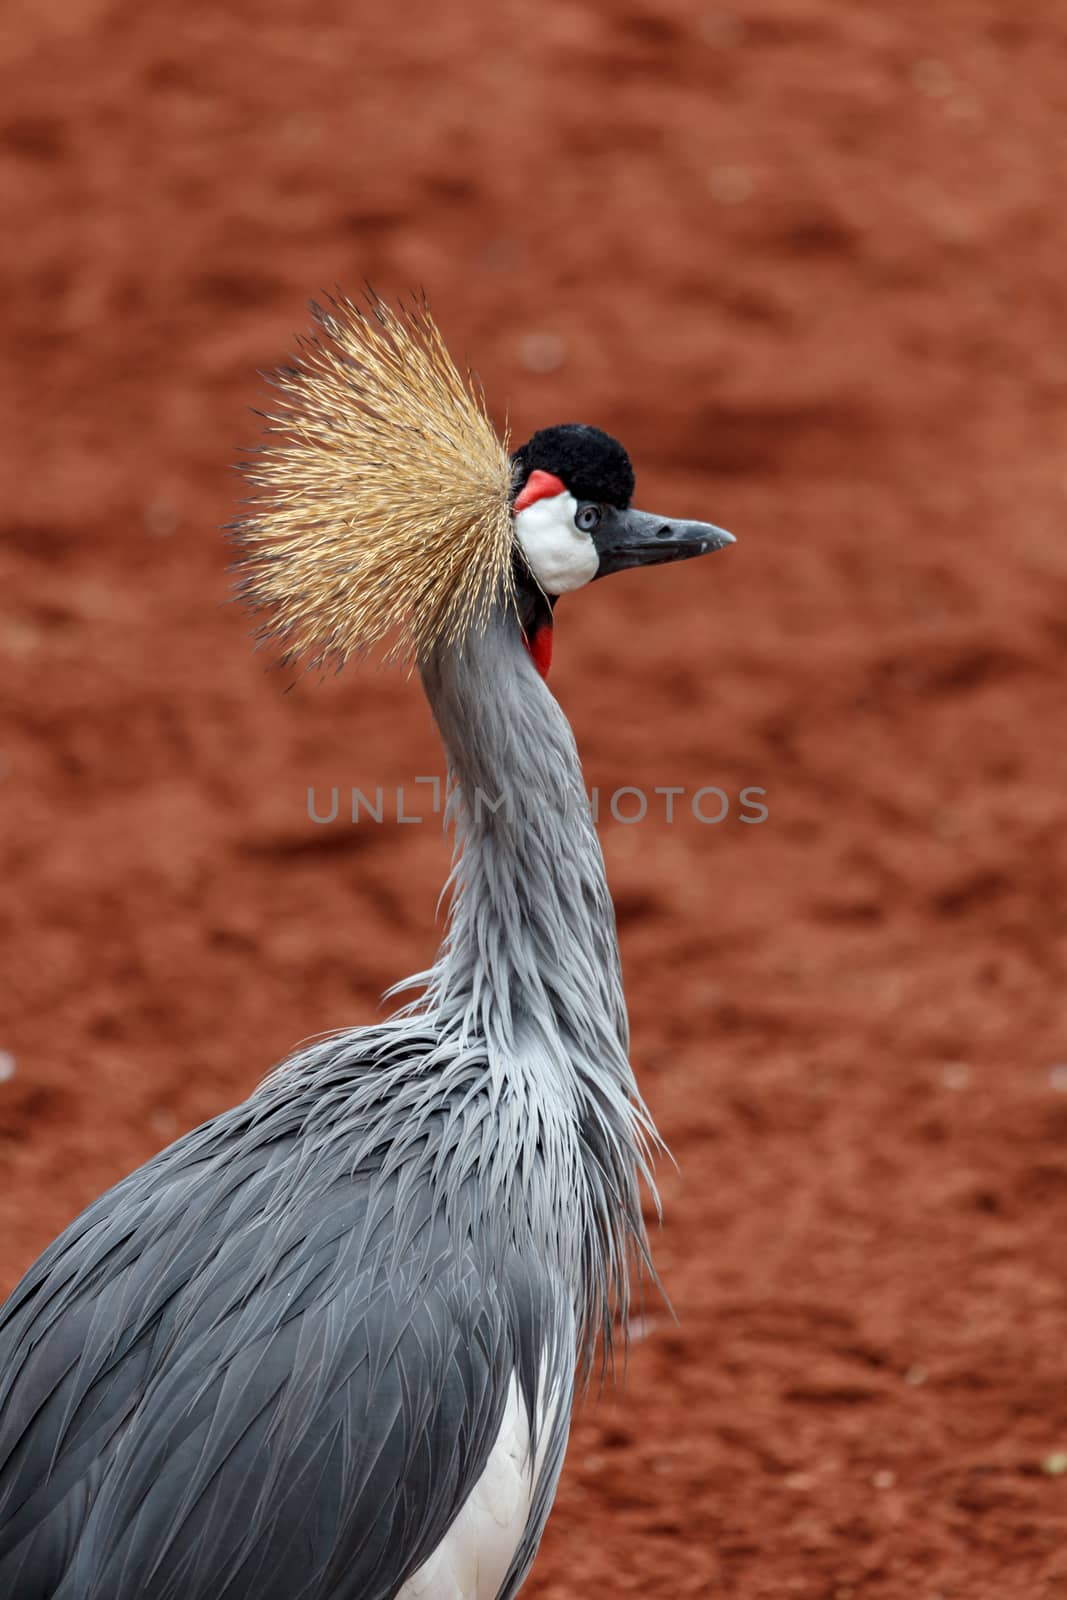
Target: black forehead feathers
{"points": [[592, 464]]}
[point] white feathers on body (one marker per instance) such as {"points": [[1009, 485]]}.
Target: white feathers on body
{"points": [[560, 555], [473, 1558]]}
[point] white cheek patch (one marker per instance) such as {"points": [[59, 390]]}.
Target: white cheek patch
{"points": [[561, 557]]}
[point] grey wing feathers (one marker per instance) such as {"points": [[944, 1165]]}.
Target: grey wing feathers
{"points": [[216, 1386]]}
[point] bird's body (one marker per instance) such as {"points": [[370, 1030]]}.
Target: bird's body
{"points": [[324, 1347]]}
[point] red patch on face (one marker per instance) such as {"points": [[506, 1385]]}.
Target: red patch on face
{"points": [[538, 486], [539, 648]]}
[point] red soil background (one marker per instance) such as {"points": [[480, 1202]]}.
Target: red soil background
{"points": [[807, 259]]}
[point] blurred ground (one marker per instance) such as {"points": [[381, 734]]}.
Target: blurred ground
{"points": [[806, 258]]}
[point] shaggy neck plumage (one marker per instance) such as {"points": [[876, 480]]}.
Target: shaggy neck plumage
{"points": [[529, 968]]}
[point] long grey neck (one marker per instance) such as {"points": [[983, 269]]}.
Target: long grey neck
{"points": [[528, 972], [531, 938]]}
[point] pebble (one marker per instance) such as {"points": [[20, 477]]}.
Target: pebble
{"points": [[730, 185], [723, 30], [932, 78], [160, 519], [542, 352]]}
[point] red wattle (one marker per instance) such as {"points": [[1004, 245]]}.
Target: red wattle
{"points": [[539, 648]]}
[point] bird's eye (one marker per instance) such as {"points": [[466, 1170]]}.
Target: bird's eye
{"points": [[587, 517]]}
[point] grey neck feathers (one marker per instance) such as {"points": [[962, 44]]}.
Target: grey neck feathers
{"points": [[531, 939], [529, 969]]}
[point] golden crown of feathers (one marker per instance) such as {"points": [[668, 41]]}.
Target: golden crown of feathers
{"points": [[382, 515]]}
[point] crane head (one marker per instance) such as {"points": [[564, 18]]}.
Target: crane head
{"points": [[389, 513], [572, 487], [571, 492]]}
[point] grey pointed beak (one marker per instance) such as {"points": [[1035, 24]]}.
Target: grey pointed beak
{"points": [[640, 539]]}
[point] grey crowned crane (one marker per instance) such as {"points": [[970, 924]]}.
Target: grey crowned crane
{"points": [[325, 1346]]}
